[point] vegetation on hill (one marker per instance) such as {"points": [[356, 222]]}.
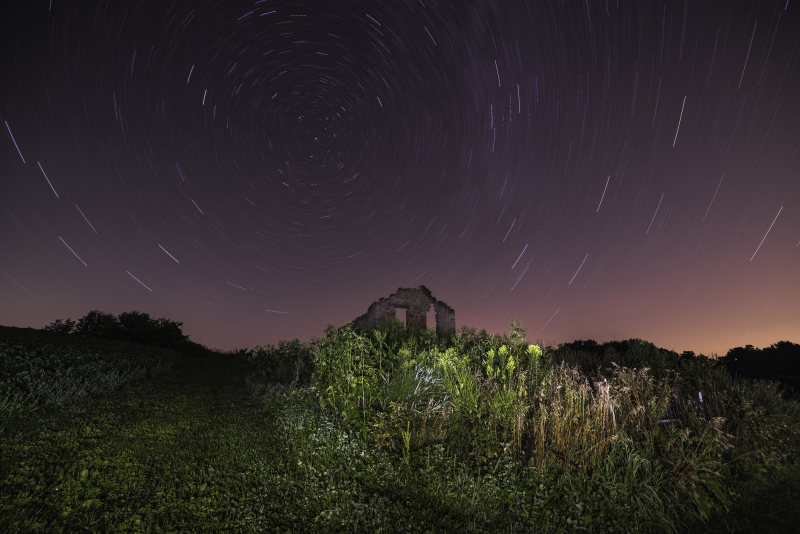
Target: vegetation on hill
{"points": [[131, 326], [779, 362], [184, 451], [638, 437], [42, 369], [386, 430]]}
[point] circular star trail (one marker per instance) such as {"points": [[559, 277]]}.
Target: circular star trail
{"points": [[257, 170]]}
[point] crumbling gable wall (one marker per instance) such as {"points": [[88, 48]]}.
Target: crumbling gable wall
{"points": [[445, 318], [417, 301]]}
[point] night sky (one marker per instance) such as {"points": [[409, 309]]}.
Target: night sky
{"points": [[257, 170]]}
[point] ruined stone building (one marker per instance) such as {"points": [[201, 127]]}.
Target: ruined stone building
{"points": [[417, 301]]}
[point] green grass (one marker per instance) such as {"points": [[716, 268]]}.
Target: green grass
{"points": [[185, 452], [382, 432], [41, 369]]}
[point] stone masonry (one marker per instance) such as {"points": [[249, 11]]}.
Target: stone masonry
{"points": [[417, 301]]}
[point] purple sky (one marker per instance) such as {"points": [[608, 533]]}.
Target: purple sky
{"points": [[258, 170]]}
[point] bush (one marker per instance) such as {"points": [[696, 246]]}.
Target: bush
{"points": [[61, 327], [289, 362], [98, 324]]}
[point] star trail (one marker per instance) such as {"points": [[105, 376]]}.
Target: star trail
{"points": [[599, 169]]}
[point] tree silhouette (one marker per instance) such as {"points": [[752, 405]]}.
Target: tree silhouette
{"points": [[132, 326], [780, 361], [61, 327], [97, 323]]}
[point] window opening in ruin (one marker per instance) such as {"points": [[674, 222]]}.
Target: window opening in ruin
{"points": [[414, 304]]}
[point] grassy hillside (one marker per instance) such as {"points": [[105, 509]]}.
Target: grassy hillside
{"points": [[42, 369], [385, 431]]}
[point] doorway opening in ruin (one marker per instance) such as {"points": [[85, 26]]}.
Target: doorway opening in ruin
{"points": [[430, 319], [400, 313]]}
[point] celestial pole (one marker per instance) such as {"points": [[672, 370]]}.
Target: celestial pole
{"points": [[260, 169]]}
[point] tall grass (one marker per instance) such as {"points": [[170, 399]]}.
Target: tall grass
{"points": [[581, 407]]}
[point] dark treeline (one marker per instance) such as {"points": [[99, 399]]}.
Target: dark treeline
{"points": [[130, 326], [780, 361]]}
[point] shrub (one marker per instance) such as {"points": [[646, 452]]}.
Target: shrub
{"points": [[289, 362], [98, 324], [61, 327]]}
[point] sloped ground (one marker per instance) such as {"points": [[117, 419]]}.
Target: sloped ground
{"points": [[186, 452]]}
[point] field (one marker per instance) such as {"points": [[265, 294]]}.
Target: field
{"points": [[388, 432]]}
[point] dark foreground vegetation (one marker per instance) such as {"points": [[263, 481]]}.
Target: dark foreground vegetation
{"points": [[105, 427]]}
